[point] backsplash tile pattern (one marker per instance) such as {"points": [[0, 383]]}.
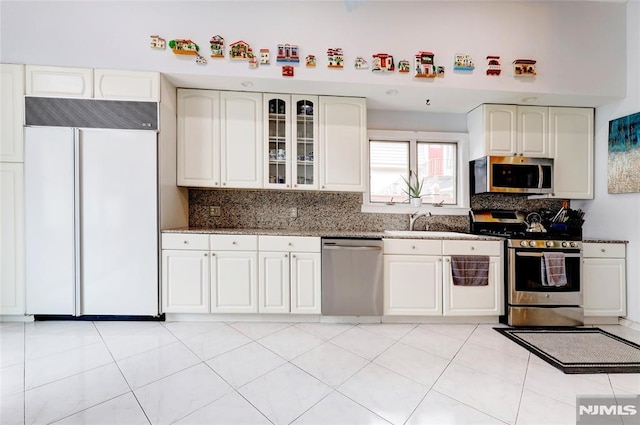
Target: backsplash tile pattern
{"points": [[269, 209]]}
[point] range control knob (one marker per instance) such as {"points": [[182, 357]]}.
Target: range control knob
{"points": [[574, 244], [532, 243], [549, 244], [523, 243], [565, 244]]}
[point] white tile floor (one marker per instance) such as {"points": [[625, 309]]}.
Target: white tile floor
{"points": [[283, 373]]}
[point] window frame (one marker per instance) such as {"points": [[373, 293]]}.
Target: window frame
{"points": [[413, 137]]}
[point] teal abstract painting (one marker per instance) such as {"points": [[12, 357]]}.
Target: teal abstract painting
{"points": [[624, 154]]}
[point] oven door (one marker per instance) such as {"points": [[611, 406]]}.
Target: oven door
{"points": [[525, 285]]}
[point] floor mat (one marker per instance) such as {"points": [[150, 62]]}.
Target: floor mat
{"points": [[578, 350]]}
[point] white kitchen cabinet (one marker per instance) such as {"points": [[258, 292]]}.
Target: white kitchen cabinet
{"points": [[53, 81], [508, 130], [572, 148], [604, 278], [290, 274], [198, 138], [274, 282], [412, 277], [11, 113], [473, 300], [12, 281], [291, 134], [185, 273], [118, 84], [306, 295], [532, 134], [342, 143], [234, 273], [241, 140]]}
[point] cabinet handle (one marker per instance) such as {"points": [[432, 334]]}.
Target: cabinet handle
{"points": [[472, 248]]}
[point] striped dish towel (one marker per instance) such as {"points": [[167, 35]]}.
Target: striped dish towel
{"points": [[470, 270], [552, 269]]}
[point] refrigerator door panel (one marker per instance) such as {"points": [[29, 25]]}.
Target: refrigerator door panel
{"points": [[49, 220], [118, 231]]}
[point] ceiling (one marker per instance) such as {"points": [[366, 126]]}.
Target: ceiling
{"points": [[397, 97]]}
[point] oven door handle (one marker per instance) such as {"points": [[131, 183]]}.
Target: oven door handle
{"points": [[540, 254]]}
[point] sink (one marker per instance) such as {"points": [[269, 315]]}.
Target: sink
{"points": [[428, 234]]}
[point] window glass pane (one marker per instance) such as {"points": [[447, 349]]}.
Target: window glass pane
{"points": [[437, 165], [388, 163]]}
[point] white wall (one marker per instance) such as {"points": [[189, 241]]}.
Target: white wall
{"points": [[575, 43], [617, 216]]}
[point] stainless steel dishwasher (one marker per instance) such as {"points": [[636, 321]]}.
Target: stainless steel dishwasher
{"points": [[352, 281]]}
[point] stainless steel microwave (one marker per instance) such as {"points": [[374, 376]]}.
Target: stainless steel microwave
{"points": [[511, 174]]}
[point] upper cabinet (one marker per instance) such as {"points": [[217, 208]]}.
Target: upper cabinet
{"points": [[509, 130], [11, 112], [53, 81], [126, 85], [241, 139], [342, 143], [564, 134], [291, 138], [198, 138], [273, 141], [572, 148]]}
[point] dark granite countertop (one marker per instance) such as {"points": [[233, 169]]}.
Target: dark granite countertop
{"points": [[395, 234], [596, 240]]}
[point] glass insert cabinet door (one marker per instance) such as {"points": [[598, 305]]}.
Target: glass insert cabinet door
{"points": [[278, 171], [292, 139], [305, 142]]}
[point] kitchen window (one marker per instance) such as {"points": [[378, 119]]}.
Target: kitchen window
{"points": [[439, 160]]}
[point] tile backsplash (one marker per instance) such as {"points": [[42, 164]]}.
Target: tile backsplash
{"points": [[270, 209]]}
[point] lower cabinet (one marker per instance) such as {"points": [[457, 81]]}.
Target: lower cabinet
{"points": [[229, 274], [418, 279], [289, 273], [604, 278]]}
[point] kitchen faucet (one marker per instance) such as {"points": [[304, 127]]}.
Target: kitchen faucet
{"points": [[413, 217]]}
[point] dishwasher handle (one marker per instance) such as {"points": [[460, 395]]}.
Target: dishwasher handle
{"points": [[352, 248]]}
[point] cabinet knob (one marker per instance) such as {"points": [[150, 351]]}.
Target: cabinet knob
{"points": [[186, 242], [413, 247], [287, 185], [234, 243], [213, 255], [295, 185], [293, 256], [603, 250], [224, 183], [286, 255], [472, 248], [290, 244], [205, 254]]}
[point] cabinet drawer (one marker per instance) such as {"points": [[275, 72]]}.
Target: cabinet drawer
{"points": [[289, 243], [413, 246], [189, 241], [234, 242], [603, 250], [452, 247]]}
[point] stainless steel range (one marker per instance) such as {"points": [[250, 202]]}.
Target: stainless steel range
{"points": [[543, 276]]}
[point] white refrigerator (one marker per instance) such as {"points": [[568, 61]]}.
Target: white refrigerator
{"points": [[91, 202]]}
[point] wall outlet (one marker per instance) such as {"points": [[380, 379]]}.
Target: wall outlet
{"points": [[293, 212], [214, 211]]}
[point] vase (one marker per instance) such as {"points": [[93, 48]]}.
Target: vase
{"points": [[416, 202]]}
